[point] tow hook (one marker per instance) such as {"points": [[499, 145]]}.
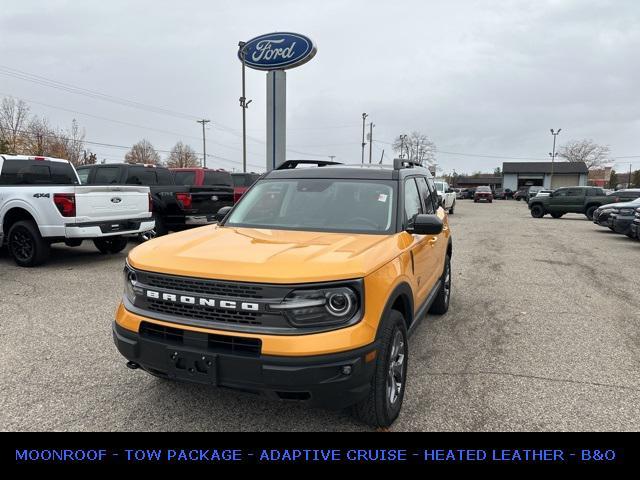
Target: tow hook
{"points": [[132, 365]]}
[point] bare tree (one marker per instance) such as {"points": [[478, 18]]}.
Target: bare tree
{"points": [[75, 143], [142, 152], [587, 151], [182, 156], [416, 147], [14, 115], [39, 137]]}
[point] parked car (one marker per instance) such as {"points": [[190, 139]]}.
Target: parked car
{"points": [[242, 182], [585, 200], [467, 193], [42, 203], [460, 193], [175, 207], [266, 303], [483, 194], [625, 195], [521, 193], [532, 192], [621, 220], [635, 226], [602, 214], [502, 193], [446, 196]]}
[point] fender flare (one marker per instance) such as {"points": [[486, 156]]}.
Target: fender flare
{"points": [[402, 290], [21, 204]]}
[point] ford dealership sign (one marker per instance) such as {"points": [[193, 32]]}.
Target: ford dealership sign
{"points": [[278, 51]]}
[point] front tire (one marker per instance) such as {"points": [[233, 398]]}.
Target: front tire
{"points": [[383, 402], [26, 245], [537, 211], [451, 210], [111, 244], [440, 305]]}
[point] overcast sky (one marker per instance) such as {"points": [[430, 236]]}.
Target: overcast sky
{"points": [[478, 77]]}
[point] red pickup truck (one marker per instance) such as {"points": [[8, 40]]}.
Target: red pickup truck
{"points": [[242, 182]]}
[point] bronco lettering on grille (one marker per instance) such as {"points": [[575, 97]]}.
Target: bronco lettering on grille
{"points": [[203, 302]]}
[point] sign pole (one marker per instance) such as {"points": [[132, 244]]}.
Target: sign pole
{"points": [[276, 118]]}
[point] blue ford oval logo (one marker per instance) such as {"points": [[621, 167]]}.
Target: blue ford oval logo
{"points": [[116, 200], [277, 51]]}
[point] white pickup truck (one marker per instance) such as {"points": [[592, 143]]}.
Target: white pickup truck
{"points": [[42, 202], [446, 195]]}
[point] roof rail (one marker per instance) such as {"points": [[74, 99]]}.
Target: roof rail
{"points": [[289, 164], [399, 163]]}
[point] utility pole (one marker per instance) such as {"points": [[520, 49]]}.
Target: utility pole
{"points": [[204, 142], [364, 117], [244, 105], [553, 155], [371, 125]]}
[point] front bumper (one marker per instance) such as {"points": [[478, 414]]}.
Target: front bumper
{"points": [[621, 224], [108, 229], [635, 229], [332, 381]]}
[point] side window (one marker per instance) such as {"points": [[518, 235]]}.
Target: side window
{"points": [[412, 202], [575, 192], [106, 175], [561, 192], [434, 194], [425, 194], [164, 177], [83, 174], [141, 176]]}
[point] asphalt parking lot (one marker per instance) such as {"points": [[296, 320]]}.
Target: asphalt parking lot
{"points": [[543, 333]]}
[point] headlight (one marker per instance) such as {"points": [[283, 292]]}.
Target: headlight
{"points": [[320, 307], [626, 211], [131, 288]]}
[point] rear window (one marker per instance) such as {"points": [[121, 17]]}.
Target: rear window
{"points": [[218, 178], [142, 176], [483, 189], [185, 178], [244, 179], [37, 172]]}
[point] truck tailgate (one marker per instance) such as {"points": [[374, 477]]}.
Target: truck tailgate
{"points": [[208, 200], [105, 202]]}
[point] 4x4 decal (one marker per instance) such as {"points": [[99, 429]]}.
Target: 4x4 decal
{"points": [[41, 195]]}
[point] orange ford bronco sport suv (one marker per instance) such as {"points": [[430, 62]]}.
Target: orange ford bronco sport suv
{"points": [[305, 291]]}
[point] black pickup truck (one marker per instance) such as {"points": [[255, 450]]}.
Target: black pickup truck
{"points": [[175, 207]]}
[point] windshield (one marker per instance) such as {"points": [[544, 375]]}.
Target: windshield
{"points": [[326, 205], [439, 186]]}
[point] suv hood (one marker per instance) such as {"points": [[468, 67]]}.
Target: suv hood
{"points": [[263, 255], [631, 204]]}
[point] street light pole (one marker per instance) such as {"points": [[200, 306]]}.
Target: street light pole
{"points": [[204, 142], [244, 105], [364, 117], [371, 125], [553, 155]]}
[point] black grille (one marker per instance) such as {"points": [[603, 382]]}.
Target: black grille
{"points": [[209, 341], [206, 287], [205, 313]]}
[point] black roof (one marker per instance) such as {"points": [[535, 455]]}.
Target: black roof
{"points": [[357, 171], [544, 167]]}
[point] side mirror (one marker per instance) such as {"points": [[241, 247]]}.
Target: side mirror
{"points": [[426, 224], [551, 194], [219, 216]]}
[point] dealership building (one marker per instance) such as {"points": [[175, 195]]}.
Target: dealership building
{"points": [[523, 174]]}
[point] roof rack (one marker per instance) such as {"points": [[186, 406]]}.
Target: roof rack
{"points": [[399, 163], [289, 164]]}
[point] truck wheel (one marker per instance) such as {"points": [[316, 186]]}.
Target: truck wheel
{"points": [[537, 211], [590, 210], [26, 245], [557, 215], [384, 400], [453, 206], [440, 305], [111, 244]]}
